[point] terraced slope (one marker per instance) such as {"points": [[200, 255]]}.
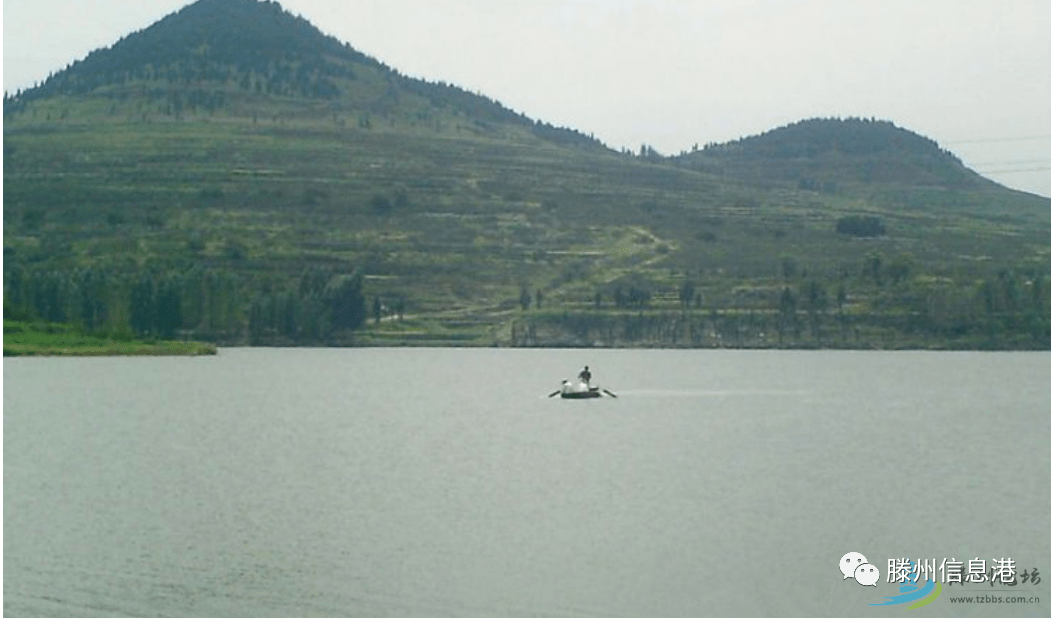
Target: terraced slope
{"points": [[230, 173]]}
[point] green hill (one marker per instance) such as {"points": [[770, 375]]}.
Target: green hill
{"points": [[825, 154], [232, 174], [252, 61]]}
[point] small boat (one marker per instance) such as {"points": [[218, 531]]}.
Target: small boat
{"points": [[581, 390]]}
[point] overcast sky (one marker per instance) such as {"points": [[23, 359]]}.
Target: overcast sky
{"points": [[974, 75]]}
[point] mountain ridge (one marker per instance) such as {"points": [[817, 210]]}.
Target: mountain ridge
{"points": [[256, 194], [236, 57], [195, 56], [817, 153]]}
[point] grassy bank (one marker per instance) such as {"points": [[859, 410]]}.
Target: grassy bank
{"points": [[50, 339]]}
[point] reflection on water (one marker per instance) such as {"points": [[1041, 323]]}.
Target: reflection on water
{"points": [[446, 482], [711, 393]]}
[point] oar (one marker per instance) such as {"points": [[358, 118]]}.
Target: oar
{"points": [[555, 393], [609, 392]]}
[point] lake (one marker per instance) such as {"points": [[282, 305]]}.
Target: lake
{"points": [[445, 482]]}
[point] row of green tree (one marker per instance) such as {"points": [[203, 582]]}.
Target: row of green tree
{"points": [[881, 306], [320, 307], [311, 311], [1011, 308]]}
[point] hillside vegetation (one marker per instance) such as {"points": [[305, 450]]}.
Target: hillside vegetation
{"points": [[49, 339], [231, 174]]}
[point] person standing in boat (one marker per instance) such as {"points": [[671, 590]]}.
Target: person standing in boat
{"points": [[585, 376]]}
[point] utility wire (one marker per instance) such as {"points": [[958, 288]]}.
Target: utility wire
{"points": [[1017, 170], [991, 140], [1041, 161]]}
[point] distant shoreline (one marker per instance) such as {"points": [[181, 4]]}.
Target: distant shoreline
{"points": [[49, 339], [32, 338]]}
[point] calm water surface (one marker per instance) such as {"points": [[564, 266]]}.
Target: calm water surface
{"points": [[410, 483]]}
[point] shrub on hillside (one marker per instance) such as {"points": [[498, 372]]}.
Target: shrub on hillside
{"points": [[862, 226]]}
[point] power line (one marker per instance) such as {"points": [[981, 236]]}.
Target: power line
{"points": [[1040, 161], [995, 140], [1017, 170]]}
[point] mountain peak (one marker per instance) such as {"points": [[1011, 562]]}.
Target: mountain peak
{"points": [[847, 136], [246, 41], [249, 60], [822, 152]]}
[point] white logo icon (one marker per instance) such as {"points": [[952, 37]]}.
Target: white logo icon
{"points": [[855, 565]]}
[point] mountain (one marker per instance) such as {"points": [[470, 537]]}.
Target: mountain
{"points": [[821, 153], [216, 42], [249, 59], [231, 173]]}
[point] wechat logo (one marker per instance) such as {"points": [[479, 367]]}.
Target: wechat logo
{"points": [[854, 565]]}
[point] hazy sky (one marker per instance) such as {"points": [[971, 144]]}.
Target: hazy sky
{"points": [[974, 75]]}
